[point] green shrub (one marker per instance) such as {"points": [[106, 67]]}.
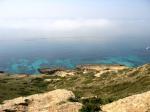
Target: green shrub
{"points": [[74, 99], [90, 108], [91, 104]]}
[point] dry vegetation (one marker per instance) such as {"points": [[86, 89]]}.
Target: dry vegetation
{"points": [[110, 86]]}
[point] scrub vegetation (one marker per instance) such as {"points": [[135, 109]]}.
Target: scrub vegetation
{"points": [[91, 91]]}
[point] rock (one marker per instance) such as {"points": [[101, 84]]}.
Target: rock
{"points": [[52, 80], [134, 103], [100, 73], [70, 107], [53, 101], [1, 72], [57, 72], [50, 70], [100, 69], [21, 75], [64, 73]]}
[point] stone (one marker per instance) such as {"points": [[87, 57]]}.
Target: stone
{"points": [[134, 103], [53, 101]]}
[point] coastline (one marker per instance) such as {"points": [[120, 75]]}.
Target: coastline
{"points": [[68, 69], [101, 83]]}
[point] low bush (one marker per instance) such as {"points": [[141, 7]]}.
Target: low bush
{"points": [[91, 105]]}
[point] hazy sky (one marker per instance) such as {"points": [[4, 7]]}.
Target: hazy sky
{"points": [[75, 20]]}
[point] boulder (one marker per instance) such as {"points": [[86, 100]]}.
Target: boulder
{"points": [[134, 103], [53, 101]]}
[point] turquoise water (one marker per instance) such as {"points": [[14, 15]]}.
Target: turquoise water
{"points": [[28, 56], [27, 66]]}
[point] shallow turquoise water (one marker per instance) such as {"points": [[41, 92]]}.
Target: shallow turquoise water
{"points": [[27, 57], [27, 66]]}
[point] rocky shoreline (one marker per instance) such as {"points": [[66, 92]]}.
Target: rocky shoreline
{"points": [[93, 87], [97, 68]]}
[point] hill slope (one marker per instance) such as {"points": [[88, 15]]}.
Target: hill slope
{"points": [[107, 83]]}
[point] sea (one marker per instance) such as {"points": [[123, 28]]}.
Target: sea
{"points": [[26, 56]]}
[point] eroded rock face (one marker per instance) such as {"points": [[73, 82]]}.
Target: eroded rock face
{"points": [[54, 101], [135, 103]]}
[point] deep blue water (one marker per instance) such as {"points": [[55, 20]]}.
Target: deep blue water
{"points": [[26, 56]]}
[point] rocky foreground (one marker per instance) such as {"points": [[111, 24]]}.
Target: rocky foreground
{"points": [[88, 88], [58, 101], [54, 101], [134, 103]]}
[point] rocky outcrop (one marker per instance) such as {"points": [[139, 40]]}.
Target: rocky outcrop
{"points": [[64, 73], [135, 103], [54, 101], [97, 69], [50, 70], [56, 72], [100, 69], [2, 72]]}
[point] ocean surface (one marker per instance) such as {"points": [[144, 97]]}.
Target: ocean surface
{"points": [[27, 55]]}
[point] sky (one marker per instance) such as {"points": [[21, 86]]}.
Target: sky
{"points": [[75, 20]]}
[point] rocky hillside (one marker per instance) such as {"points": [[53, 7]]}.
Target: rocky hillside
{"points": [[135, 103], [54, 101], [58, 101], [92, 85]]}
